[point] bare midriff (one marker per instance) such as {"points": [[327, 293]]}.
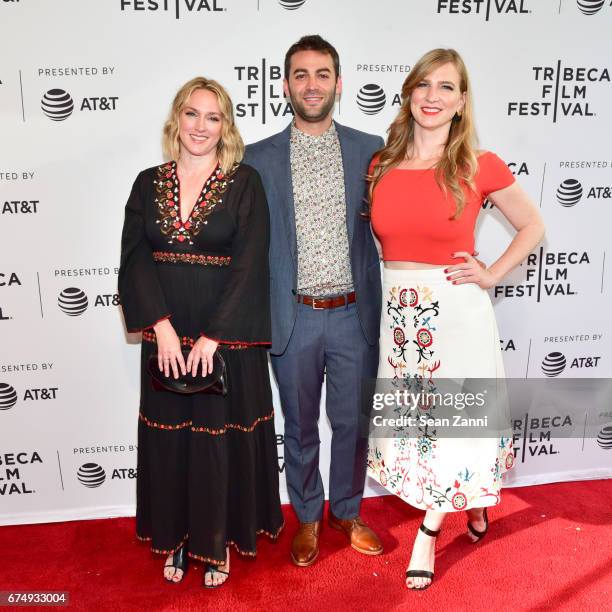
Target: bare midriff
{"points": [[410, 265]]}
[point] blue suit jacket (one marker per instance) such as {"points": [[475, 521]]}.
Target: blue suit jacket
{"points": [[271, 158]]}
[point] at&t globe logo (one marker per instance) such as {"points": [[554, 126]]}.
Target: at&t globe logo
{"points": [[569, 193], [91, 475], [604, 439], [590, 7], [291, 5], [8, 396], [72, 301], [57, 104], [553, 364], [371, 99]]}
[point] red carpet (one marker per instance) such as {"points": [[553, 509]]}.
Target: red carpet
{"points": [[548, 548]]}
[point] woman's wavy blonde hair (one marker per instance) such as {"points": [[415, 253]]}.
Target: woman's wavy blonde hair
{"points": [[458, 164], [230, 148]]}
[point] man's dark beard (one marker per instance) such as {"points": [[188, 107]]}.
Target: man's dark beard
{"points": [[301, 111]]}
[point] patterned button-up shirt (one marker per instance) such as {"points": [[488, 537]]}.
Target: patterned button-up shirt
{"points": [[324, 266]]}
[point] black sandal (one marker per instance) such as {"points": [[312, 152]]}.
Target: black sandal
{"points": [[210, 569], [179, 562], [423, 573], [479, 534]]}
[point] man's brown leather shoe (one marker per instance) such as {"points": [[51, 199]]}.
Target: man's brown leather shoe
{"points": [[305, 546], [362, 538]]}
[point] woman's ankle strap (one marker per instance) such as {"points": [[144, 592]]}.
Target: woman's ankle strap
{"points": [[429, 532]]}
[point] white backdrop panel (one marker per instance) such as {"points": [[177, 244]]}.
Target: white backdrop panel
{"points": [[69, 385]]}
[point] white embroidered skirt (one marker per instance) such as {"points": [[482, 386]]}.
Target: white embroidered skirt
{"points": [[434, 330]]}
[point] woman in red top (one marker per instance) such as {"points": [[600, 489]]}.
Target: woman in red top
{"points": [[427, 187]]}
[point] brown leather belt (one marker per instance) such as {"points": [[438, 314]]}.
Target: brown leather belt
{"points": [[323, 303]]}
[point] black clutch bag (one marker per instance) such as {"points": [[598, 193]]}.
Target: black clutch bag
{"points": [[215, 382]]}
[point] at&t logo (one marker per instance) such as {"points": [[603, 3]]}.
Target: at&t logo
{"points": [[20, 207], [590, 7], [371, 99], [604, 439], [8, 396], [569, 193], [124, 474], [58, 104], [291, 5], [72, 301], [91, 475], [555, 363]]}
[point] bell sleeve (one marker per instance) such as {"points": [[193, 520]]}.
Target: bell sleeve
{"points": [[242, 315], [140, 293]]}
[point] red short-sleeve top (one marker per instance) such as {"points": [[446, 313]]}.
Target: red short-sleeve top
{"points": [[412, 217]]}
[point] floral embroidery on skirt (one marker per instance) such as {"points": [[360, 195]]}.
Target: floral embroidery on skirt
{"points": [[431, 329]]}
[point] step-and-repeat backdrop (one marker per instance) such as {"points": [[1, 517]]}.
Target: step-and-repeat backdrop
{"points": [[84, 89]]}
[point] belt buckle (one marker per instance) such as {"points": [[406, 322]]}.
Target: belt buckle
{"points": [[316, 307]]}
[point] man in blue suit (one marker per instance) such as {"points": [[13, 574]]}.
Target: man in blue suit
{"points": [[326, 293]]}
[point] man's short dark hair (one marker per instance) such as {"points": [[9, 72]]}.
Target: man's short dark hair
{"points": [[312, 42]]}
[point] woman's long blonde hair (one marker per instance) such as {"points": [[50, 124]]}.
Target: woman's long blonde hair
{"points": [[458, 164], [230, 148]]}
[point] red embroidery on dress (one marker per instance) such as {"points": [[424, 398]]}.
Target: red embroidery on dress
{"points": [[149, 336], [168, 203], [246, 553], [208, 430], [241, 343], [192, 258]]}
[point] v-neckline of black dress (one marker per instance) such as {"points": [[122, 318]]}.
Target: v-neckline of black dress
{"points": [[167, 201], [201, 196]]}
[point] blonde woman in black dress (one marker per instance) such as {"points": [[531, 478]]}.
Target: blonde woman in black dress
{"points": [[194, 274]]}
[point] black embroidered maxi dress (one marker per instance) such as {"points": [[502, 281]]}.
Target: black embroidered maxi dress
{"points": [[207, 464]]}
